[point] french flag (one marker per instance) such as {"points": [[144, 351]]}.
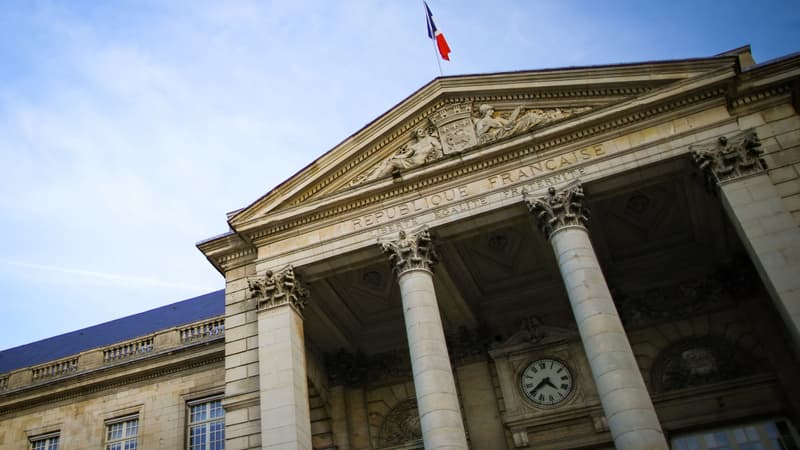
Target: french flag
{"points": [[436, 35]]}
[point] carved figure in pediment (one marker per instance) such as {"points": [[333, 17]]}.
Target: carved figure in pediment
{"points": [[490, 126], [424, 147]]}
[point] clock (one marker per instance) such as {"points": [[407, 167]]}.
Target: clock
{"points": [[546, 382]]}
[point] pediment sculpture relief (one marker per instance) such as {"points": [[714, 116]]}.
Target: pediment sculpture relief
{"points": [[423, 147], [532, 331], [457, 127]]}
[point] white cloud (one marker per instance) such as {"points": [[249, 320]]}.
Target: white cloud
{"points": [[128, 129]]}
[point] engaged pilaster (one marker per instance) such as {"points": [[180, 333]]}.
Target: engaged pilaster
{"points": [[412, 256], [767, 229], [632, 419], [285, 414]]}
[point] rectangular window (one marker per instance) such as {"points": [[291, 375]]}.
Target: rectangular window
{"points": [[47, 441], [206, 425], [121, 434], [776, 435]]}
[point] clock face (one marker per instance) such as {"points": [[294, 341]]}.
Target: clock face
{"points": [[546, 381]]}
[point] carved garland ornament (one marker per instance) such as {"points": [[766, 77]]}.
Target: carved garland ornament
{"points": [[729, 158], [410, 251], [559, 209], [699, 361], [276, 289], [402, 425]]}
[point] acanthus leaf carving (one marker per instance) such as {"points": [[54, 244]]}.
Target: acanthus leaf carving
{"points": [[559, 209], [276, 289], [729, 158], [410, 251]]}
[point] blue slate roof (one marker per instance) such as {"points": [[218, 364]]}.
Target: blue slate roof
{"points": [[183, 312]]}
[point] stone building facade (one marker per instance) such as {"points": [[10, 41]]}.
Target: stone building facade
{"points": [[601, 257]]}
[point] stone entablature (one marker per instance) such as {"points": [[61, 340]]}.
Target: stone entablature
{"points": [[158, 343], [557, 153], [313, 205]]}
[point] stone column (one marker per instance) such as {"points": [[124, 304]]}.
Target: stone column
{"points": [[283, 384], [769, 233], [626, 403], [440, 415]]}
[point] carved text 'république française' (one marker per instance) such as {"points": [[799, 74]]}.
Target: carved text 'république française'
{"points": [[459, 199]]}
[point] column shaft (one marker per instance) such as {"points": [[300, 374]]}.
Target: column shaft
{"points": [[772, 239], [440, 415], [769, 233], [626, 402], [285, 415]]}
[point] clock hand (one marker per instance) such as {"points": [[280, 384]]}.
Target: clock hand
{"points": [[541, 383], [549, 383]]}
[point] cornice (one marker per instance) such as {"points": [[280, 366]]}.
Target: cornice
{"points": [[625, 114], [767, 82], [758, 96], [227, 251], [206, 353]]}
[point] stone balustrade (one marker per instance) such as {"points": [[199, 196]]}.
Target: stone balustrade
{"points": [[128, 350], [204, 330], [56, 369], [169, 339]]}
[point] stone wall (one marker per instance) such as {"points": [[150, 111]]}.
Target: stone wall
{"points": [[778, 127], [242, 419], [160, 403]]}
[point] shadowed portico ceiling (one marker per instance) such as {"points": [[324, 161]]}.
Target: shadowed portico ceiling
{"points": [[650, 228]]}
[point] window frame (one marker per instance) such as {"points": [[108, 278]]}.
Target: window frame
{"points": [[124, 438], [46, 438], [679, 441], [189, 423]]}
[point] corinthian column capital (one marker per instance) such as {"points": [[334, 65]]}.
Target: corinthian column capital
{"points": [[559, 209], [276, 289], [410, 251], [729, 158]]}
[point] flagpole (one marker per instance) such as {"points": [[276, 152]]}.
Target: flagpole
{"points": [[432, 38]]}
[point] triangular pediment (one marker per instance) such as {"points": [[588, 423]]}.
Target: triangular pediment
{"points": [[452, 116]]}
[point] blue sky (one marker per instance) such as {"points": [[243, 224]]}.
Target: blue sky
{"points": [[129, 129]]}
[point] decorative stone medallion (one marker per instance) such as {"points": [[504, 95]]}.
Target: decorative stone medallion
{"points": [[699, 361], [402, 425]]}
